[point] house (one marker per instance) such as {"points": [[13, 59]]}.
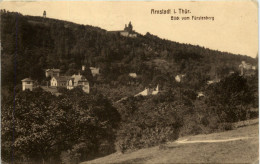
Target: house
{"points": [[213, 81], [127, 32], [149, 91], [27, 83], [156, 90], [179, 78], [52, 72], [84, 84], [200, 94], [246, 69], [94, 71], [59, 81], [133, 75], [78, 80]]}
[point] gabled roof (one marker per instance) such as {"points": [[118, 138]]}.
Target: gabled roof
{"points": [[27, 79], [79, 77]]}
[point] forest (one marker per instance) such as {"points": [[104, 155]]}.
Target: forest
{"points": [[38, 127]]}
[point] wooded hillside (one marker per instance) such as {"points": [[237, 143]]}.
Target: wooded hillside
{"points": [[32, 44]]}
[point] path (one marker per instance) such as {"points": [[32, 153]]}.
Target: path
{"points": [[185, 141]]}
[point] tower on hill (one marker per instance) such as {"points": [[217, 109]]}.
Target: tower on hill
{"points": [[127, 32], [129, 28], [44, 14]]}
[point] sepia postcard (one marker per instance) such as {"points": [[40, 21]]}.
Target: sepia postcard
{"points": [[129, 82]]}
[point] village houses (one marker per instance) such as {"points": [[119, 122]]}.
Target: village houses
{"points": [[68, 82], [78, 80]]}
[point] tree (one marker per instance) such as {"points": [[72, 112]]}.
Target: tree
{"points": [[45, 125], [231, 98]]}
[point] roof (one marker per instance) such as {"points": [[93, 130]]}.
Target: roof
{"points": [[93, 68], [54, 70], [78, 77], [83, 80], [62, 78], [27, 79]]}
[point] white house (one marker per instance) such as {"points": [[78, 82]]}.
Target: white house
{"points": [[213, 81], [156, 91], [200, 94], [179, 78], [133, 75], [78, 80], [94, 71], [27, 83], [84, 84], [149, 91], [246, 69], [59, 81]]}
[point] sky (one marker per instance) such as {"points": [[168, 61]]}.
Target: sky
{"points": [[234, 29]]}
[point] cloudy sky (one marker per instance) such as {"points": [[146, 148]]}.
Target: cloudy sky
{"points": [[234, 29]]}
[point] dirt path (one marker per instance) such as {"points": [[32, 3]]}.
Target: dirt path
{"points": [[185, 141]]}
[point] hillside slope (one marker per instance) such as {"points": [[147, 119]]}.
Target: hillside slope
{"points": [[52, 43], [235, 146]]}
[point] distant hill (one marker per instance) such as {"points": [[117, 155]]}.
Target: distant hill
{"points": [[31, 44]]}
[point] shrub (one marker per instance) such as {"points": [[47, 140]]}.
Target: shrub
{"points": [[147, 125]]}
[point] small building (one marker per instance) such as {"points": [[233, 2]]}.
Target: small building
{"points": [[200, 94], [149, 91], [133, 75], [27, 83], [94, 71], [84, 84], [78, 80], [213, 81], [246, 69], [52, 72], [59, 81], [179, 78]]}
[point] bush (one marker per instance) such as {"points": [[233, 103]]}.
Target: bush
{"points": [[148, 125]]}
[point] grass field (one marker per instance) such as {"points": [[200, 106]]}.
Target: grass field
{"points": [[235, 146]]}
